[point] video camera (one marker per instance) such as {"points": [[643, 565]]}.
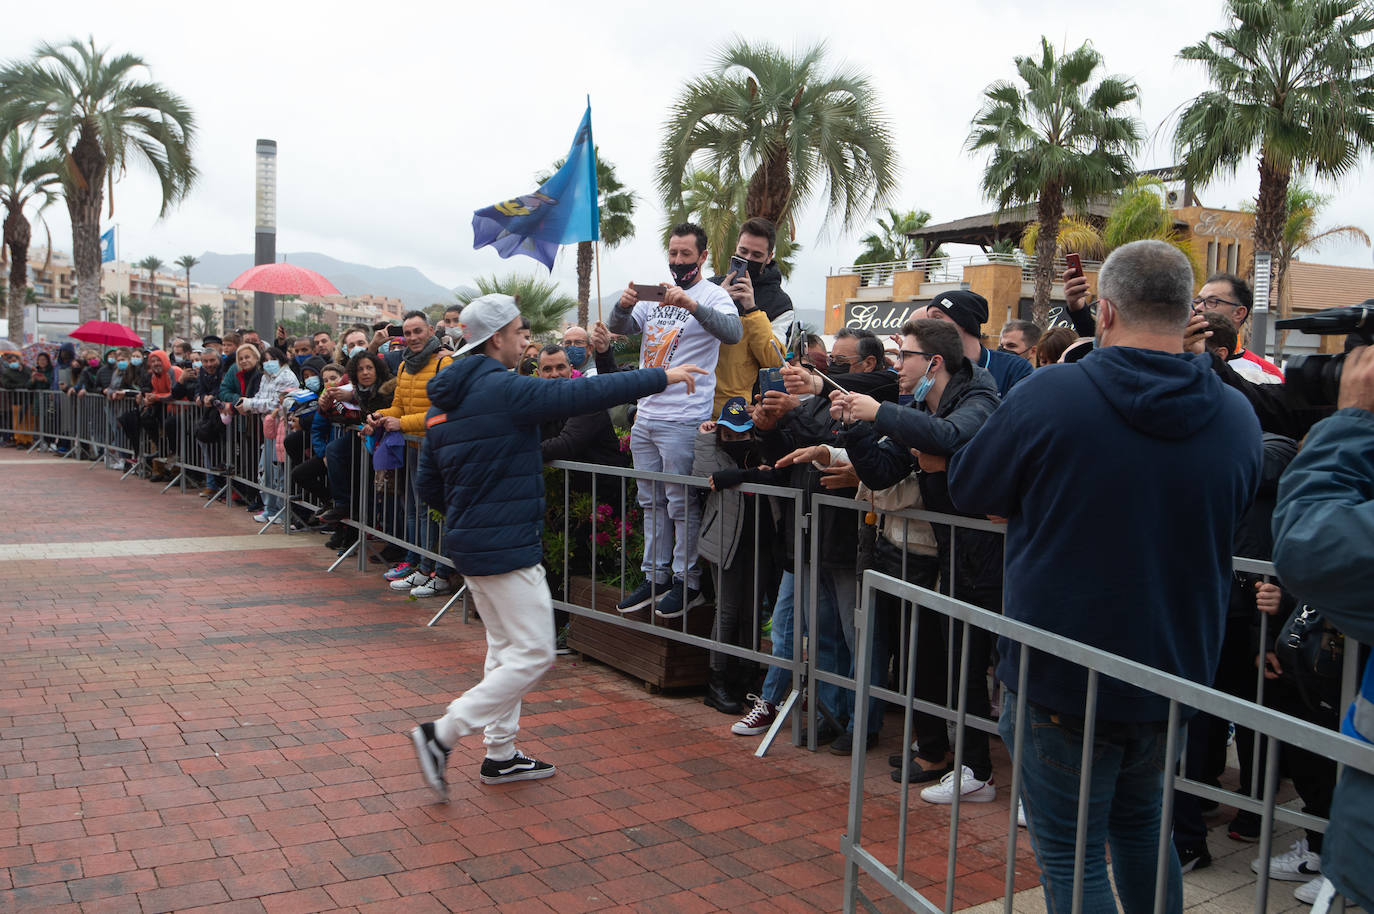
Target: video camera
{"points": [[1317, 378]]}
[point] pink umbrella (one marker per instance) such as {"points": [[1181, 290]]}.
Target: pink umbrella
{"points": [[283, 279]]}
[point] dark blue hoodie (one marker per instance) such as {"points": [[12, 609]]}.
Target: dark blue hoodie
{"points": [[1136, 465], [481, 457]]}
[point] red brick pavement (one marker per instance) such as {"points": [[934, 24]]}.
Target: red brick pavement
{"points": [[226, 732]]}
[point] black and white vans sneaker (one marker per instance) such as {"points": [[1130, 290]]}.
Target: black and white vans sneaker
{"points": [[520, 768], [433, 758]]}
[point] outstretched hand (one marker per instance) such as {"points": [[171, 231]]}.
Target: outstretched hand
{"points": [[685, 374], [818, 454]]}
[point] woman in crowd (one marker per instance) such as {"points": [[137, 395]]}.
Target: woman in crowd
{"points": [[1053, 344], [277, 381], [241, 380], [368, 388]]}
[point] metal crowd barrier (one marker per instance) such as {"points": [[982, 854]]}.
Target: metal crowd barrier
{"points": [[861, 852]]}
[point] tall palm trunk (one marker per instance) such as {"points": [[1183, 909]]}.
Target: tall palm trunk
{"points": [[189, 334], [1271, 214], [1049, 212], [17, 241], [770, 190], [584, 282], [85, 194]]}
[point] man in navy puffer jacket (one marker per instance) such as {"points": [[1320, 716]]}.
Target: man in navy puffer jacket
{"points": [[481, 460]]}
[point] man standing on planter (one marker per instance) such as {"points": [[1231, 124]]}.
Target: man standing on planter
{"points": [[481, 460]]}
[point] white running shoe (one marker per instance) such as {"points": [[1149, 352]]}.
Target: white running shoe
{"points": [[1297, 865], [1308, 892], [1021, 814], [409, 582], [971, 790], [433, 586]]}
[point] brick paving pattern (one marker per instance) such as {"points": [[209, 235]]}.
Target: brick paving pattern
{"points": [[226, 731]]}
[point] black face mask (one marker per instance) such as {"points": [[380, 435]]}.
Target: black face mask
{"points": [[685, 274], [737, 450], [835, 369]]}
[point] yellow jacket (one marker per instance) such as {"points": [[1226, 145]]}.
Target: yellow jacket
{"points": [[737, 369], [411, 401]]}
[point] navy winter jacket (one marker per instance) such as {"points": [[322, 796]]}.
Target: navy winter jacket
{"points": [[481, 458], [1139, 464]]}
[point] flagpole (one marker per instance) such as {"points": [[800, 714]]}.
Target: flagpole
{"points": [[596, 246]]}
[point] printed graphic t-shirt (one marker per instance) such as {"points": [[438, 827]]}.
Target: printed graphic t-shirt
{"points": [[672, 336]]}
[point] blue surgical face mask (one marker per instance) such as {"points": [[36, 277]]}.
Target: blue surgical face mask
{"points": [[355, 350], [110, 359], [136, 361], [923, 386], [313, 384], [271, 366], [14, 366], [577, 355], [122, 364], [384, 348], [300, 359]]}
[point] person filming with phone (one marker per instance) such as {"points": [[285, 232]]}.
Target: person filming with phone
{"points": [[681, 323], [753, 278]]}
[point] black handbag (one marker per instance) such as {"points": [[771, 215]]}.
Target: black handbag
{"points": [[210, 428], [1312, 655]]}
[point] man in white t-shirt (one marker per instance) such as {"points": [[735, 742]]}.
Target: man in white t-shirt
{"points": [[688, 326]]}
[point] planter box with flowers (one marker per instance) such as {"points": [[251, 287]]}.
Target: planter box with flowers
{"points": [[590, 554]]}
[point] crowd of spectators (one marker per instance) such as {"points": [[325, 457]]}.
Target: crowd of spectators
{"points": [[1165, 398]]}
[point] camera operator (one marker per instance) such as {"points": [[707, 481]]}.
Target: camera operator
{"points": [[1323, 525]]}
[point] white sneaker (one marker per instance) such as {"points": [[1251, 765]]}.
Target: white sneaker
{"points": [[409, 582], [262, 517], [1021, 814], [971, 790], [432, 586], [1307, 892], [1298, 865]]}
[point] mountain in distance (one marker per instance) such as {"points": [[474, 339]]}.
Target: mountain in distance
{"points": [[405, 283]]}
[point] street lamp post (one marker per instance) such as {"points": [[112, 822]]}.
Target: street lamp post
{"points": [[265, 241]]}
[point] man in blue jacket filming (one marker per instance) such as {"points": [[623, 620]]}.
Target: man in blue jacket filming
{"points": [[481, 460], [1323, 525]]}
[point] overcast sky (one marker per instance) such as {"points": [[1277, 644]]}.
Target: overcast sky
{"points": [[395, 122]]}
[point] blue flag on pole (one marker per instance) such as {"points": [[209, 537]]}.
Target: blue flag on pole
{"points": [[562, 211], [107, 251]]}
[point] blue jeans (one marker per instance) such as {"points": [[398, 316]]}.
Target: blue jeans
{"points": [[338, 462], [672, 513], [418, 523], [270, 476], [1127, 785], [778, 682]]}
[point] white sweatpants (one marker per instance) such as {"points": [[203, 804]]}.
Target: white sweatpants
{"points": [[517, 613]]}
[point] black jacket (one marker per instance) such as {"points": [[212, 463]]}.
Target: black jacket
{"points": [[768, 293], [589, 438], [967, 402]]}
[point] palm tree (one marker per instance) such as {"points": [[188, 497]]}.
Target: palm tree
{"points": [[312, 314], [98, 117], [167, 317], [152, 265], [1291, 79], [1060, 140], [186, 262], [209, 319], [540, 300], [135, 307], [1139, 213], [616, 206], [789, 128], [893, 242], [27, 183], [111, 301]]}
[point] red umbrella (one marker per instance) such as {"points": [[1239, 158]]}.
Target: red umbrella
{"points": [[283, 279], [106, 333]]}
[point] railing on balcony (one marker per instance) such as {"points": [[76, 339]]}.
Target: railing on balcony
{"points": [[947, 269]]}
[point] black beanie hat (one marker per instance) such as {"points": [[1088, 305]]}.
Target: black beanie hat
{"points": [[967, 309]]}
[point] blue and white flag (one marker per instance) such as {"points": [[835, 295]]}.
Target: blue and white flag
{"points": [[107, 250], [562, 211]]}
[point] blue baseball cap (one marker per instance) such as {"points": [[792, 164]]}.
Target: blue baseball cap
{"points": [[734, 415]]}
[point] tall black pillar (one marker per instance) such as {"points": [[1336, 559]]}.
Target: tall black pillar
{"points": [[265, 241]]}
